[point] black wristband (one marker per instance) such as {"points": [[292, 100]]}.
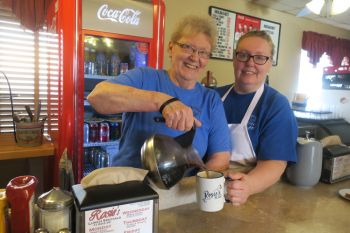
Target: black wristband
{"points": [[166, 103]]}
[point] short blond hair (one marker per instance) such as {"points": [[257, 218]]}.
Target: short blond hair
{"points": [[193, 25]]}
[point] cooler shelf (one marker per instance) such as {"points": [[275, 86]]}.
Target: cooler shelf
{"points": [[109, 143]]}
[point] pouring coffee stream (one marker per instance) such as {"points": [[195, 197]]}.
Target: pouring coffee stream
{"points": [[169, 158]]}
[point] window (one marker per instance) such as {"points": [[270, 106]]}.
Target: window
{"points": [[310, 79], [30, 60]]}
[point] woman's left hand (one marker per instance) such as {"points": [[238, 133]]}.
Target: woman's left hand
{"points": [[238, 189]]}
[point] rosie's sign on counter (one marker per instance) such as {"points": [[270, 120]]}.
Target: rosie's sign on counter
{"points": [[131, 206], [133, 217], [128, 17]]}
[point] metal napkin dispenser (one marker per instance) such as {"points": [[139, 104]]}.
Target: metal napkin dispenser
{"points": [[131, 206], [336, 163]]}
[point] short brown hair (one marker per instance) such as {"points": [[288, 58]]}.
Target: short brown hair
{"points": [[262, 34]]}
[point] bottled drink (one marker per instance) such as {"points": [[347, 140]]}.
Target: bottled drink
{"points": [[115, 62], [101, 63], [86, 60], [86, 132], [124, 67], [114, 130], [104, 132], [108, 63], [141, 54], [93, 132], [92, 63], [99, 158]]}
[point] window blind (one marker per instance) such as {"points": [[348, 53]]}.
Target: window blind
{"points": [[30, 60]]}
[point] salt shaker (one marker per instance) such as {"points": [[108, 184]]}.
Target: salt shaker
{"points": [[55, 210]]}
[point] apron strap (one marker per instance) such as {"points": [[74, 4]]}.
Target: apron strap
{"points": [[226, 93], [252, 105]]}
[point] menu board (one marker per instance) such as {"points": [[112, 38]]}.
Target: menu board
{"points": [[231, 26], [225, 21]]}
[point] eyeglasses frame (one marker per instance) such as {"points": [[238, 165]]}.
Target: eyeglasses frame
{"points": [[194, 50], [254, 57]]}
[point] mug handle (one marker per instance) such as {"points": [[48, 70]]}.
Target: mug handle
{"points": [[225, 189]]}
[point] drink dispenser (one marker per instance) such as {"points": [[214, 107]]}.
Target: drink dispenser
{"points": [[307, 171], [55, 210]]}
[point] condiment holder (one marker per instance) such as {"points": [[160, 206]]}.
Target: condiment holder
{"points": [[55, 210]]}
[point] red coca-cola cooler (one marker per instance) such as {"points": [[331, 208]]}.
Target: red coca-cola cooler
{"points": [[98, 40]]}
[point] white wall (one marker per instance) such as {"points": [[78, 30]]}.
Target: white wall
{"points": [[284, 76], [332, 99]]}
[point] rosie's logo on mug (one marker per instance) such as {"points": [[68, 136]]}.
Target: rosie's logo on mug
{"points": [[210, 190], [212, 194]]}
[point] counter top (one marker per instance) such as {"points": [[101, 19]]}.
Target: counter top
{"points": [[9, 149], [283, 208]]}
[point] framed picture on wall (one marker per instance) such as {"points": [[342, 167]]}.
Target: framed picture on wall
{"points": [[232, 25]]}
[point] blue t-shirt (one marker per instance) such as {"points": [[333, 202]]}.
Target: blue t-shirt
{"points": [[211, 137], [272, 126]]}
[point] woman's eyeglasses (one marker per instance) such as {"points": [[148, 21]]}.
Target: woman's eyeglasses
{"points": [[258, 59], [191, 50]]}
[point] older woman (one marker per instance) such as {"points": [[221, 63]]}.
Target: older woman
{"points": [[175, 94]]}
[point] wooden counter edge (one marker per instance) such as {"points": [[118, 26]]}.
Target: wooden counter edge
{"points": [[9, 149]]}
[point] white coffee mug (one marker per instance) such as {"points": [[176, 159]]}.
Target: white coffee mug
{"points": [[210, 190]]}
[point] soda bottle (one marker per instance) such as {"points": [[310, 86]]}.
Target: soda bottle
{"points": [[108, 63], [139, 54], [124, 67], [101, 63], [92, 63], [86, 60], [115, 62], [93, 132], [103, 131]]}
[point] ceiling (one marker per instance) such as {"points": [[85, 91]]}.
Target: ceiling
{"points": [[295, 6]]}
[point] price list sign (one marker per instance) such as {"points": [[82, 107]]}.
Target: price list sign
{"points": [[225, 21], [231, 26]]}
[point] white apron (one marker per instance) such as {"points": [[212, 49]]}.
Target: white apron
{"points": [[243, 152]]}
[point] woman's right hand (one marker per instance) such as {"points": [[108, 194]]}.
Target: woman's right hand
{"points": [[179, 116]]}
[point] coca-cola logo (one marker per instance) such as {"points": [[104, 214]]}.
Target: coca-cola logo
{"points": [[98, 214], [126, 16]]}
